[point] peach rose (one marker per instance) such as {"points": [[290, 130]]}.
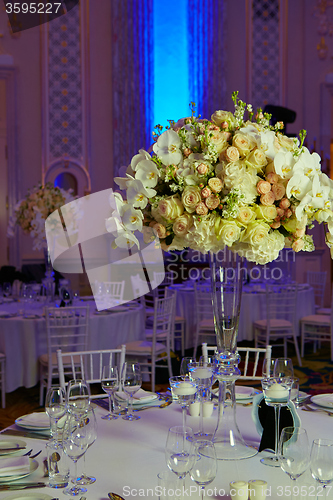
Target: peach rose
{"points": [[202, 169], [232, 154], [288, 213], [160, 230], [299, 232], [279, 191], [201, 209], [206, 192], [297, 245], [267, 199], [284, 203], [276, 225], [212, 201], [215, 184], [272, 178], [191, 197], [263, 187], [280, 212], [187, 152], [182, 224]]}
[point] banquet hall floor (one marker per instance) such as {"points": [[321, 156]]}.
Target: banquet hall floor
{"points": [[316, 376]]}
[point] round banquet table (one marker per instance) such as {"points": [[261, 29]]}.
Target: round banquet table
{"points": [[127, 456], [253, 307], [23, 340]]}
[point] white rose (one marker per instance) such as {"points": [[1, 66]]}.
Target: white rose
{"points": [[246, 215], [182, 224], [191, 197], [171, 207], [255, 233], [228, 232], [243, 143]]}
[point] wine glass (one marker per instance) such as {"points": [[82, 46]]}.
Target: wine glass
{"points": [[277, 394], [204, 468], [110, 384], [202, 374], [75, 444], [268, 367], [294, 452], [183, 390], [78, 397], [184, 370], [179, 450], [321, 460], [65, 294], [6, 289], [55, 407], [90, 424], [131, 380], [283, 367]]}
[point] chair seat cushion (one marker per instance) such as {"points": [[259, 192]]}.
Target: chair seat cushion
{"points": [[44, 360], [324, 310], [143, 347], [317, 319], [274, 323], [179, 319]]}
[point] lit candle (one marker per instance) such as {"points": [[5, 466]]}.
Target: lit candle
{"points": [[277, 391], [184, 389], [201, 373]]}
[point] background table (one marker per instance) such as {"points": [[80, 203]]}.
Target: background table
{"points": [[253, 307], [24, 340], [127, 456]]}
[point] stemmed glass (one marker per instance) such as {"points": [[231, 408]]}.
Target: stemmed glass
{"points": [[179, 450], [110, 384], [78, 397], [283, 367], [75, 444], [277, 394], [268, 367], [7, 289], [294, 452], [90, 424], [131, 380], [55, 407], [65, 295], [203, 375], [204, 468], [183, 390], [321, 460], [184, 370]]}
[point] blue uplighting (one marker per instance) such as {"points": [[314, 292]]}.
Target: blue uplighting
{"points": [[171, 71]]}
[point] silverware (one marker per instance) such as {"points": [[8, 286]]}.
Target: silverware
{"points": [[114, 496], [22, 486], [34, 435], [36, 454], [163, 405], [13, 449], [306, 407], [28, 453]]}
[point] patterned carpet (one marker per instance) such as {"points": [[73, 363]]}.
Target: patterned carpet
{"points": [[316, 377]]}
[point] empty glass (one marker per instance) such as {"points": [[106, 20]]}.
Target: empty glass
{"points": [[110, 384], [283, 367], [75, 444], [131, 380], [179, 450], [321, 462], [90, 425], [78, 397], [204, 468], [55, 407]]}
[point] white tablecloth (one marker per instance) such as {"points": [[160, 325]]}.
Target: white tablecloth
{"points": [[24, 340], [253, 307], [127, 456]]}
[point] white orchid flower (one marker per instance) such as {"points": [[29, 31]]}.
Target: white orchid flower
{"points": [[284, 163], [315, 199], [268, 143], [122, 181], [143, 155], [190, 139], [137, 194], [298, 186], [132, 218], [147, 173], [308, 163], [167, 148]]}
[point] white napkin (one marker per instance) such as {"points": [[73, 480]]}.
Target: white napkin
{"points": [[141, 395], [40, 419], [14, 466]]}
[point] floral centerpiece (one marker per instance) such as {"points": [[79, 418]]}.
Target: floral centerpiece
{"points": [[226, 182], [31, 212]]}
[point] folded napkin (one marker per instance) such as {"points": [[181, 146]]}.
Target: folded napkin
{"points": [[14, 466], [39, 419], [141, 395], [264, 418]]}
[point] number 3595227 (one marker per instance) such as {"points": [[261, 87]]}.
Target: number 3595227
{"points": [[32, 8]]}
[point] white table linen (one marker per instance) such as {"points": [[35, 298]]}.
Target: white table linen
{"points": [[253, 307], [127, 456], [24, 340]]}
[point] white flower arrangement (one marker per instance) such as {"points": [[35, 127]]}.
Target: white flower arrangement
{"points": [[31, 212], [225, 182]]}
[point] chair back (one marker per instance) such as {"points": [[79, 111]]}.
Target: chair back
{"points": [[88, 365], [318, 282], [163, 322], [114, 289], [67, 328], [203, 301], [252, 358], [281, 304]]}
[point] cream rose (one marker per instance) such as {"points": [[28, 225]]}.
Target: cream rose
{"points": [[282, 141], [246, 215], [232, 154], [202, 168], [220, 117], [243, 143], [279, 191], [218, 139], [263, 187], [268, 198], [160, 229], [267, 213], [215, 184], [191, 197], [182, 225], [297, 245], [206, 192], [171, 207], [212, 201], [257, 158], [228, 232], [255, 233]]}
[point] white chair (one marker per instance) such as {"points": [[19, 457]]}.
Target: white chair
{"points": [[252, 357], [67, 329], [317, 280], [3, 379], [179, 325], [317, 328], [280, 321], [88, 365], [114, 290], [152, 352], [204, 314]]}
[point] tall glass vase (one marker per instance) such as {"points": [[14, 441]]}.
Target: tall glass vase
{"points": [[227, 280]]}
